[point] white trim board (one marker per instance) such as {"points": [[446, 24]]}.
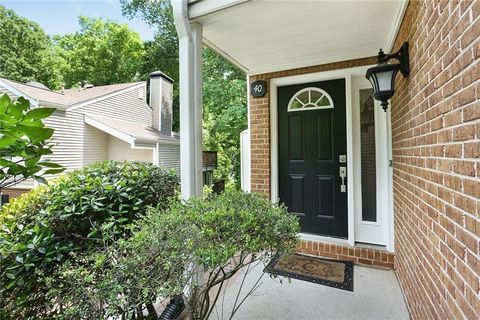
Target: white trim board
{"points": [[396, 25], [111, 131], [17, 92], [314, 77], [198, 9], [365, 231]]}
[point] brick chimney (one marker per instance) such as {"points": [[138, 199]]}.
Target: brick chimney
{"points": [[161, 100]]}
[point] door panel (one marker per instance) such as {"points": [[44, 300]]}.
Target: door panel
{"points": [[325, 188], [324, 137], [297, 193], [312, 135], [295, 137]]}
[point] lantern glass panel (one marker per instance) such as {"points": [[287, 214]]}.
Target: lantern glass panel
{"points": [[384, 79]]}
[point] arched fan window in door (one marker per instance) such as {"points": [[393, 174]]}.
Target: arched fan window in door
{"points": [[310, 99]]}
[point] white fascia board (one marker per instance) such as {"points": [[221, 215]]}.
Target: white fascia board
{"points": [[52, 105], [153, 141], [225, 55], [396, 26], [17, 92], [169, 142], [111, 131], [86, 103], [201, 8], [143, 144]]}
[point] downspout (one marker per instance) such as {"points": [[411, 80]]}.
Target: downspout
{"points": [[190, 51]]}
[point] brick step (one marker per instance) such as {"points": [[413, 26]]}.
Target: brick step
{"points": [[359, 255]]}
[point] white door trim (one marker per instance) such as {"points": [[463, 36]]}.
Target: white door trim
{"points": [[371, 232], [314, 77]]}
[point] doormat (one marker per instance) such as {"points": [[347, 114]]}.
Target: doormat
{"points": [[332, 273]]}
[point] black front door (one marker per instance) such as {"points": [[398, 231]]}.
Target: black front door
{"points": [[312, 148]]}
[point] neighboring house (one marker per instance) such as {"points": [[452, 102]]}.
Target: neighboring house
{"points": [[112, 122], [406, 182]]}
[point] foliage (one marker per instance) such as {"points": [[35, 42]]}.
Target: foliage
{"points": [[224, 86], [80, 212], [26, 52], [23, 141], [219, 235], [162, 51], [121, 280], [101, 53], [224, 113], [237, 229]]}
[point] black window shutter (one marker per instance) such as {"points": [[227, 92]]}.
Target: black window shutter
{"points": [[5, 199]]}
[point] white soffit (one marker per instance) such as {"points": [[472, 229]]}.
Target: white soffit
{"points": [[272, 35]]}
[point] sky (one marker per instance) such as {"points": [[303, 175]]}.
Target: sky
{"points": [[61, 16]]}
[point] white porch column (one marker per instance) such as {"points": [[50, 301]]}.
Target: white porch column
{"points": [[190, 59]]}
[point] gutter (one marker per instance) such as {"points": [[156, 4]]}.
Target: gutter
{"points": [[180, 17]]}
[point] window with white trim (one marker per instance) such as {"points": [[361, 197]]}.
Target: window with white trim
{"points": [[310, 99]]}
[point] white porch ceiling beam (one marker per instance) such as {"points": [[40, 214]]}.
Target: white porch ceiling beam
{"points": [[190, 47], [200, 8]]}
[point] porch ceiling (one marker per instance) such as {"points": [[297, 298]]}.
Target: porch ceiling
{"points": [[265, 35]]}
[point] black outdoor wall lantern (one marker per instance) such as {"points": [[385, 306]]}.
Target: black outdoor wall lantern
{"points": [[382, 76]]}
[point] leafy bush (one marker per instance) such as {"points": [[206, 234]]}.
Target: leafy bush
{"points": [[80, 212], [168, 250], [24, 139], [124, 279], [237, 229]]}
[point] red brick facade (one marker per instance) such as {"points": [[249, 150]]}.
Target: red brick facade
{"points": [[436, 151], [13, 193]]}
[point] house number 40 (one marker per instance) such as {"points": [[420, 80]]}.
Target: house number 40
{"points": [[258, 88]]}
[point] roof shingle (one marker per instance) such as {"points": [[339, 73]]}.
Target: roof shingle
{"points": [[69, 97]]}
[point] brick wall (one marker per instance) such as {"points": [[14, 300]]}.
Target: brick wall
{"points": [[260, 120], [13, 193], [436, 149]]}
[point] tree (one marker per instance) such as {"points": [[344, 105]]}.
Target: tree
{"points": [[162, 51], [224, 86], [26, 51], [101, 53], [23, 141], [224, 113]]}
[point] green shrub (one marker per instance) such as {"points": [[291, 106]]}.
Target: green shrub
{"points": [[122, 280], [219, 235], [80, 212], [237, 229]]}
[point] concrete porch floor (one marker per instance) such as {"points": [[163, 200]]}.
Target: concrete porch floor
{"points": [[376, 295]]}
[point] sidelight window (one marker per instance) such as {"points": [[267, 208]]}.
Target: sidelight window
{"points": [[310, 99], [368, 159]]}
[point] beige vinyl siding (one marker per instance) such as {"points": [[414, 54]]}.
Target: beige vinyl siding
{"points": [[95, 145], [124, 106], [27, 184], [120, 150], [169, 156], [67, 139]]}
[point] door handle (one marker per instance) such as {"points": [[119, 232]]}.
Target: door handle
{"points": [[343, 175]]}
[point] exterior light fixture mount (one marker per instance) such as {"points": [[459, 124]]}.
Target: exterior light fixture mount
{"points": [[382, 76]]}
